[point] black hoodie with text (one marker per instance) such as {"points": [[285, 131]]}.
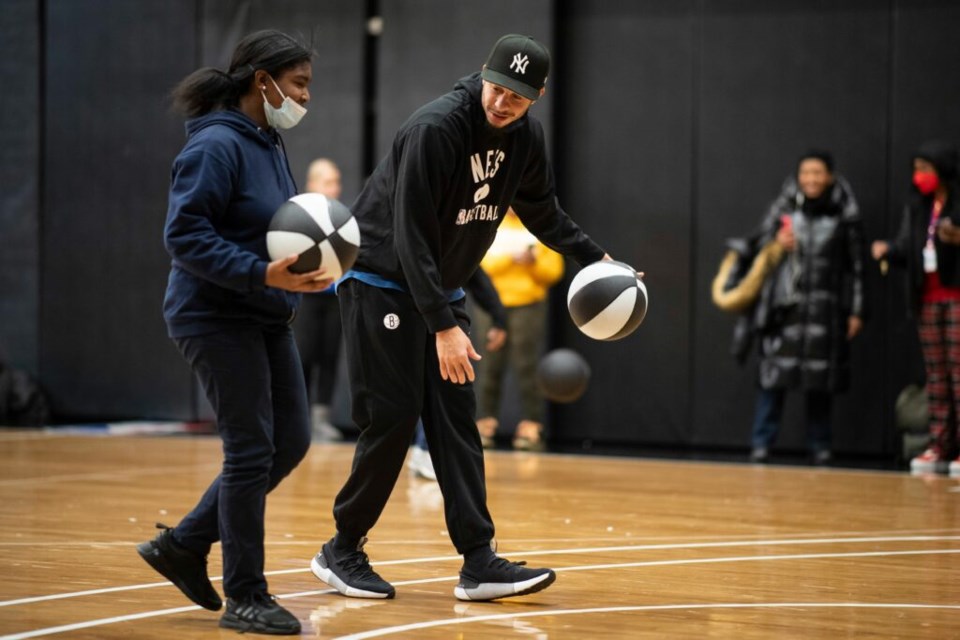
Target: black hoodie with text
{"points": [[431, 209]]}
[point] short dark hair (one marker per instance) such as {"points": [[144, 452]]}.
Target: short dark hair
{"points": [[817, 154], [209, 89]]}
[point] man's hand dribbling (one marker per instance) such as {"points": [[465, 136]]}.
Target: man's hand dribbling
{"points": [[280, 277], [454, 353]]}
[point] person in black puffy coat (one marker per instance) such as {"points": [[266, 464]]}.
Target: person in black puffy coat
{"points": [[812, 305]]}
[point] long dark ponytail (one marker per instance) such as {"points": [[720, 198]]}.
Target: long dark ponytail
{"points": [[209, 89]]}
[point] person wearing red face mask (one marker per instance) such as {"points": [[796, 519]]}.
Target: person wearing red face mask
{"points": [[928, 247]]}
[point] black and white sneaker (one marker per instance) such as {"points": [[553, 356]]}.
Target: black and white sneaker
{"points": [[259, 613], [184, 568], [350, 572], [501, 578]]}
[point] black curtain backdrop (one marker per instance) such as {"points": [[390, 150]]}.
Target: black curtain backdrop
{"points": [[20, 41], [108, 143], [625, 117], [672, 124]]}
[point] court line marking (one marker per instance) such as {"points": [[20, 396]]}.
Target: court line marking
{"points": [[96, 623], [110, 475], [653, 563], [583, 550], [800, 468], [623, 609], [745, 538], [11, 434], [637, 539]]}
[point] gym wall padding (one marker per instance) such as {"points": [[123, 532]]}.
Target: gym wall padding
{"points": [[107, 150], [671, 122], [20, 130], [625, 125]]}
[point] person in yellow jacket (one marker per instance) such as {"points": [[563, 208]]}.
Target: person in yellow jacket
{"points": [[522, 270]]}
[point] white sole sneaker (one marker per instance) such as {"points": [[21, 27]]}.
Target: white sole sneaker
{"points": [[319, 569], [921, 467], [954, 469], [478, 592], [421, 464]]}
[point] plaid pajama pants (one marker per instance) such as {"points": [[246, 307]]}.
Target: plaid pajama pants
{"points": [[939, 328]]}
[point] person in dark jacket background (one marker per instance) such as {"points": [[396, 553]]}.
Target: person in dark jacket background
{"points": [[812, 305], [927, 246], [228, 309], [317, 327], [427, 216]]}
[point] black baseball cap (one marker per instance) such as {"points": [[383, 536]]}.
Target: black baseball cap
{"points": [[518, 63]]}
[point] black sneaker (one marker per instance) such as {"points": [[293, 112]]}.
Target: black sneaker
{"points": [[501, 578], [350, 573], [259, 613], [184, 568]]}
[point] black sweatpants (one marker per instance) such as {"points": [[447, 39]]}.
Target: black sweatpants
{"points": [[394, 379]]}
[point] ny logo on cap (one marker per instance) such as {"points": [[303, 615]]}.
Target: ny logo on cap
{"points": [[520, 63]]}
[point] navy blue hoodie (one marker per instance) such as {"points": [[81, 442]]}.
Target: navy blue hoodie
{"points": [[226, 184], [431, 209]]}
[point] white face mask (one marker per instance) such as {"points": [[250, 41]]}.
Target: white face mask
{"points": [[287, 115]]}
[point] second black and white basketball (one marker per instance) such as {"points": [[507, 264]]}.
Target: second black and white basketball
{"points": [[321, 230], [607, 300]]}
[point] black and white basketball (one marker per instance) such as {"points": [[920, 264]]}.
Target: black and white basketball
{"points": [[607, 300], [321, 230]]}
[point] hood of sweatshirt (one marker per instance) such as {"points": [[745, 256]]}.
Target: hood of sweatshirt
{"points": [[942, 155], [237, 121]]}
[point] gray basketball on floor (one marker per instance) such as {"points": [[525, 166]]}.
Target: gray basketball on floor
{"points": [[563, 375]]}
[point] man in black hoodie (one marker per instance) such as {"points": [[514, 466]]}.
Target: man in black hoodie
{"points": [[427, 216]]}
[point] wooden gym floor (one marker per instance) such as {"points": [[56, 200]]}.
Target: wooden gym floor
{"points": [[642, 548]]}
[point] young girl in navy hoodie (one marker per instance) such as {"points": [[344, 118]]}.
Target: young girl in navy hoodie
{"points": [[228, 309]]}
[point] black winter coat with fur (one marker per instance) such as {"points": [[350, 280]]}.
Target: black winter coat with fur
{"points": [[801, 318]]}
